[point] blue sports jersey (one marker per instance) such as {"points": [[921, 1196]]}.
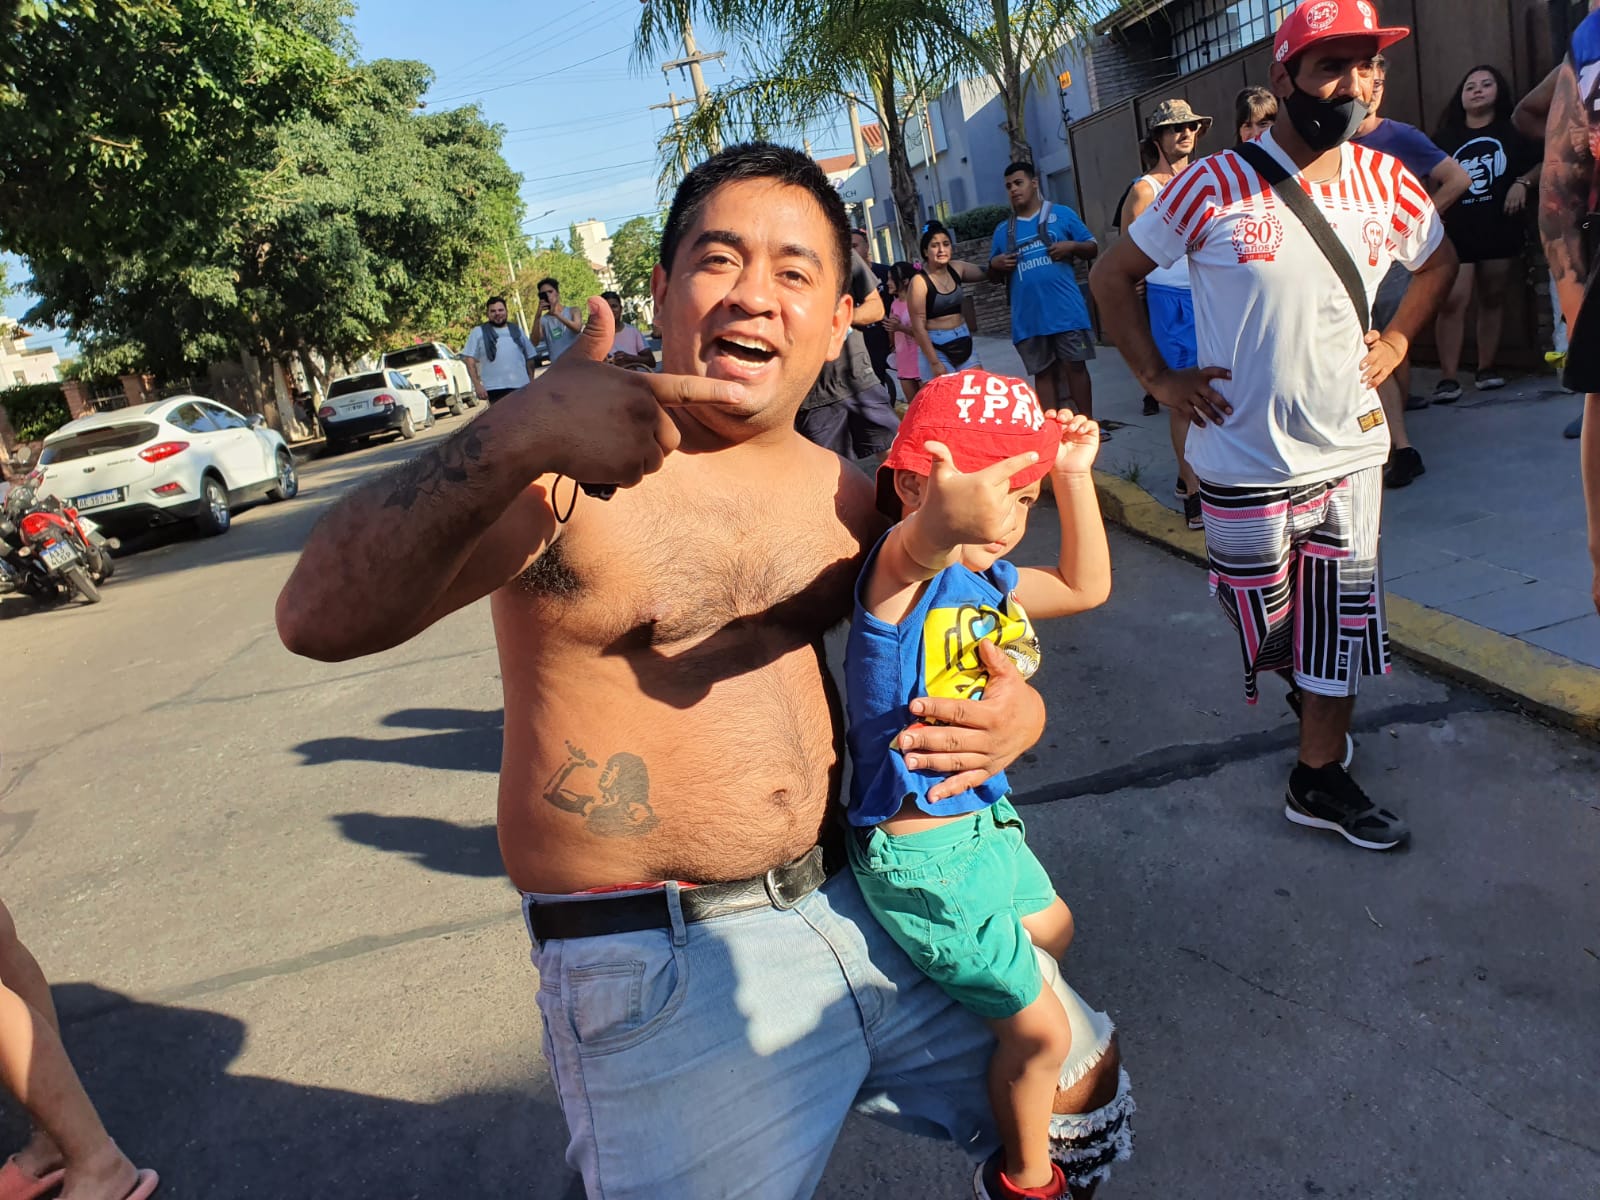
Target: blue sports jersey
{"points": [[1045, 297], [932, 652]]}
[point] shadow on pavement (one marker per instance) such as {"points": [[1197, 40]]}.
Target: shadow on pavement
{"points": [[458, 740], [159, 1075], [428, 842]]}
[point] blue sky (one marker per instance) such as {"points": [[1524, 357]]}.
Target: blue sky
{"points": [[557, 75]]}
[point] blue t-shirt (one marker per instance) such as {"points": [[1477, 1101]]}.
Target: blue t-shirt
{"points": [[932, 652], [1045, 297], [1410, 145], [1586, 64]]}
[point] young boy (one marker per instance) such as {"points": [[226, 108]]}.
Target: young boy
{"points": [[951, 879]]}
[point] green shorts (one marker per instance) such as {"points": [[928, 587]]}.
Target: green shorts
{"points": [[953, 898]]}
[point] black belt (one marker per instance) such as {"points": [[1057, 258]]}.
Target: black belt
{"points": [[595, 916]]}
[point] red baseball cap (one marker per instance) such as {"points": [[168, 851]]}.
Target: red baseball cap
{"points": [[1318, 20], [982, 418]]}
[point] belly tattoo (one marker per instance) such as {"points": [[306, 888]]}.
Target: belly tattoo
{"points": [[622, 807]]}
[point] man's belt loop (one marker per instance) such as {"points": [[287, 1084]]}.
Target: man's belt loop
{"points": [[674, 897]]}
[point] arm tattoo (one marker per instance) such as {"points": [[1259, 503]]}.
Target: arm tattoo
{"points": [[429, 473], [622, 808], [1564, 192]]}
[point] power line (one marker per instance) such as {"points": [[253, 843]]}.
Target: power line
{"points": [[591, 170], [531, 78]]}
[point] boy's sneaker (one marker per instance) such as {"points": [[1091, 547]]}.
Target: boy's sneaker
{"points": [[1446, 391], [990, 1183], [1416, 403], [1327, 798], [1293, 699], [1151, 407], [1192, 516], [1404, 466], [1488, 381]]}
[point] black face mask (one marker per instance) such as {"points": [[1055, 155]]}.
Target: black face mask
{"points": [[1324, 124]]}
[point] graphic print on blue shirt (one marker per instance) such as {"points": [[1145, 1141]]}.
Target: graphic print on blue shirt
{"points": [[1045, 297], [932, 652]]}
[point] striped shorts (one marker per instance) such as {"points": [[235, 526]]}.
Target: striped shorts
{"points": [[1296, 570]]}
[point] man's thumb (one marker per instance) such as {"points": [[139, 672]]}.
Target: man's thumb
{"points": [[594, 343]]}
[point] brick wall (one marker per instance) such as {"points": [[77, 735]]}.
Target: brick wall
{"points": [[992, 311]]}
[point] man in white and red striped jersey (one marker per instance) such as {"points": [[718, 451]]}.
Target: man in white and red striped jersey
{"points": [[1290, 439]]}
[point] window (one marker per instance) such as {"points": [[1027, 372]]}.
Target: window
{"points": [[411, 356], [370, 382], [97, 441], [224, 418], [399, 381], [190, 419], [1205, 30]]}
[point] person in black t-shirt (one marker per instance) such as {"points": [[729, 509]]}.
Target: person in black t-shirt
{"points": [[1489, 224], [848, 409]]}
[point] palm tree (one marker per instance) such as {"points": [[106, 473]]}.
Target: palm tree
{"points": [[806, 57], [1010, 41]]}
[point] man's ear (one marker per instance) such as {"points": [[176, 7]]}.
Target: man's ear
{"points": [[658, 285], [1278, 79], [843, 311]]}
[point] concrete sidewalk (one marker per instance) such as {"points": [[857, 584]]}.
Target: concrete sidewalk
{"points": [[1484, 556]]}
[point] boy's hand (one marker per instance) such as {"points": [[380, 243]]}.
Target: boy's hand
{"points": [[973, 509], [1080, 442]]}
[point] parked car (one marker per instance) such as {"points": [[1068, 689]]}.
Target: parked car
{"points": [[359, 407], [435, 369], [179, 459]]}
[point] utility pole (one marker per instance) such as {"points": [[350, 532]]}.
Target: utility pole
{"points": [[932, 159], [692, 58], [516, 291], [672, 104], [859, 145]]}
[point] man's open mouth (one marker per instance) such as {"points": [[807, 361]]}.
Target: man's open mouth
{"points": [[753, 351]]}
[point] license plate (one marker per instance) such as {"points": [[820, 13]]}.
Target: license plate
{"points": [[57, 555], [96, 499]]}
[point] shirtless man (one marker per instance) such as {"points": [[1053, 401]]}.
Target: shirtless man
{"points": [[669, 718]]}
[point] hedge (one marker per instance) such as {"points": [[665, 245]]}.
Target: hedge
{"points": [[978, 222], [35, 409]]}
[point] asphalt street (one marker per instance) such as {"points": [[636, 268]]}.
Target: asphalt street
{"points": [[268, 894]]}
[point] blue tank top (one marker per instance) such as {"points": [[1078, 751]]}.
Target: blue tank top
{"points": [[932, 652]]}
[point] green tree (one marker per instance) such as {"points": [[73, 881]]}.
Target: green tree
{"points": [[572, 271], [131, 155], [1013, 42], [635, 250]]}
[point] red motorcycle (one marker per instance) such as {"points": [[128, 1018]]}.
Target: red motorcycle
{"points": [[46, 551]]}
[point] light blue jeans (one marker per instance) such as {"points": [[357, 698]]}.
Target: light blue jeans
{"points": [[719, 1059]]}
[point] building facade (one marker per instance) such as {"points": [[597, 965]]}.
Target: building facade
{"points": [[19, 364]]}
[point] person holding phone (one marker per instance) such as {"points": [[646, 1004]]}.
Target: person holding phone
{"points": [[560, 324]]}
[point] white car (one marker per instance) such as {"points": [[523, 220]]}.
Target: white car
{"points": [[182, 458], [360, 406], [441, 376]]}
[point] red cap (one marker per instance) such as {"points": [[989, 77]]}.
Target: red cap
{"points": [[983, 419], [1318, 20]]}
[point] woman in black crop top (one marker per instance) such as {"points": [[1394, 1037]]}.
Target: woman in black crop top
{"points": [[937, 323]]}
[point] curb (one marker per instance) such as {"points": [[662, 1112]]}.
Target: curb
{"points": [[1559, 690]]}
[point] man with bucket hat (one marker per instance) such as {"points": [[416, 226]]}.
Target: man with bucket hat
{"points": [[1287, 239], [1171, 133]]}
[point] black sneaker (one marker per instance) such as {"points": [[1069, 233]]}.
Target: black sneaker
{"points": [[1327, 798], [1416, 403], [1404, 466], [1180, 489], [1192, 516], [1446, 391], [1488, 381], [1151, 407], [1293, 700]]}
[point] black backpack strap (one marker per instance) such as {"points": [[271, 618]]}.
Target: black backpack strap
{"points": [[1296, 201]]}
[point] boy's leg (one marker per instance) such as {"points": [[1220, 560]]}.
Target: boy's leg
{"points": [[1079, 386], [1023, 1075], [716, 1059], [1051, 928]]}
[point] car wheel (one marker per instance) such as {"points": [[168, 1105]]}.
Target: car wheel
{"points": [[408, 427], [215, 516], [288, 485], [455, 406], [428, 424]]}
